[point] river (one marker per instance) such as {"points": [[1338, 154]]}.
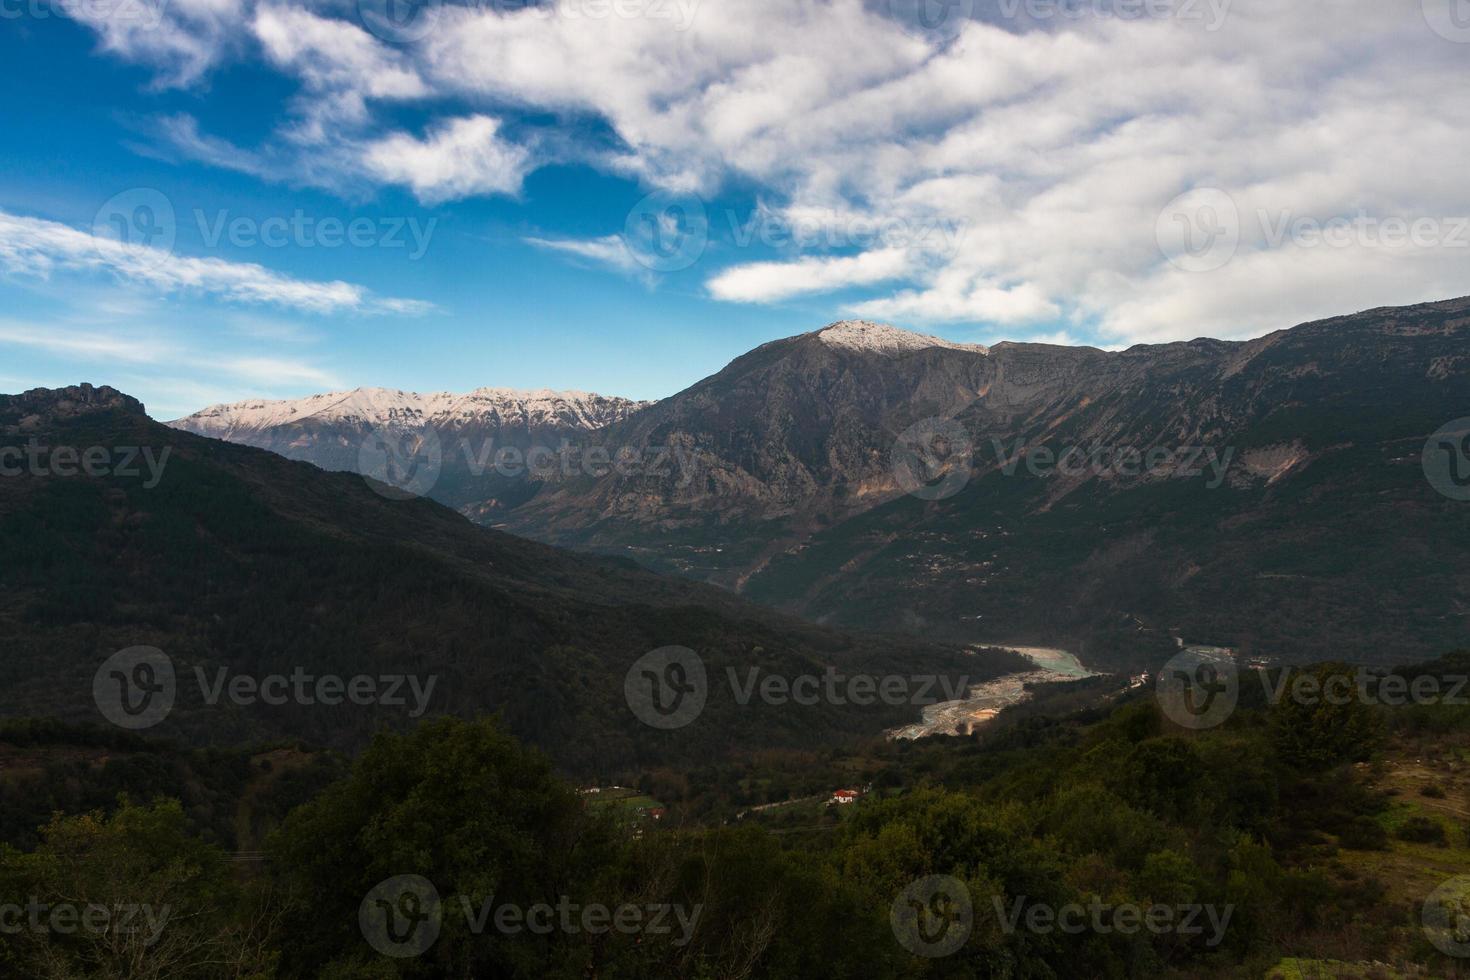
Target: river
{"points": [[984, 701]]}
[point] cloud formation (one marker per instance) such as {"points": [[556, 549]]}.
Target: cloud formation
{"points": [[37, 247], [1058, 140]]}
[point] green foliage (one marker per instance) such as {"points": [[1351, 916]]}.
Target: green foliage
{"points": [[132, 895], [1322, 721]]}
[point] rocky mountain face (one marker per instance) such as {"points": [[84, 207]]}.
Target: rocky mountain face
{"points": [[1265, 494], [340, 430]]}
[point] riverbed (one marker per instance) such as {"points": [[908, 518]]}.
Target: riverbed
{"points": [[984, 701]]}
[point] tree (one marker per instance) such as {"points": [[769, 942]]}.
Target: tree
{"points": [[133, 895], [1321, 720]]}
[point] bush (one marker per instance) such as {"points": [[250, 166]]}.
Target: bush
{"points": [[1433, 790], [1420, 829]]}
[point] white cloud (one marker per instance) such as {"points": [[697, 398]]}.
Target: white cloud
{"points": [[763, 282], [182, 39], [611, 251], [35, 246], [94, 346], [131, 357], [278, 372], [460, 158], [1056, 142], [955, 296]]}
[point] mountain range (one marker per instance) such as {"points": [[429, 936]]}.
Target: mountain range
{"points": [[236, 562], [868, 476]]}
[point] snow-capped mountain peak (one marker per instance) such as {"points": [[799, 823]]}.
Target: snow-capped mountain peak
{"points": [[880, 338]]}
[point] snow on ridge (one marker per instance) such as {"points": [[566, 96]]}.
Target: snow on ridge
{"points": [[381, 405], [865, 335]]}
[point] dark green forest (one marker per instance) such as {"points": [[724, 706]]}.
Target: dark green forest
{"points": [[1306, 839]]}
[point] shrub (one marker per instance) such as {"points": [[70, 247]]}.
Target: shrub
{"points": [[1420, 829]]}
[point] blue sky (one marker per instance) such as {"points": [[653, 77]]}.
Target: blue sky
{"points": [[172, 170]]}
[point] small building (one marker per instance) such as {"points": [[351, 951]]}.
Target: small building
{"points": [[845, 796]]}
